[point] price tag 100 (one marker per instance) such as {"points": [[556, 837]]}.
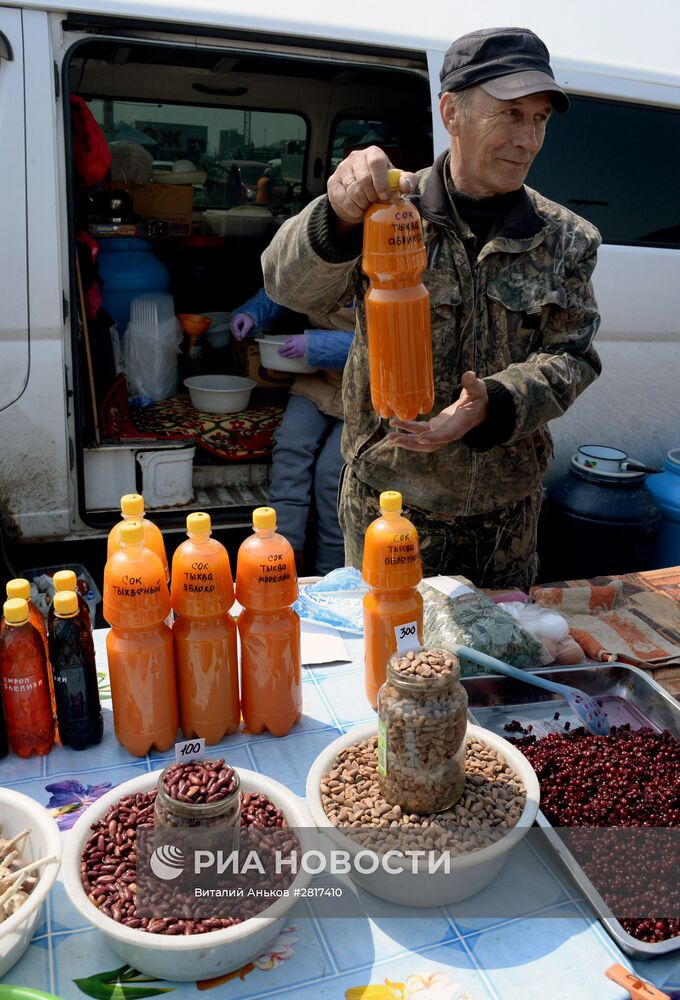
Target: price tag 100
{"points": [[189, 750], [407, 637]]}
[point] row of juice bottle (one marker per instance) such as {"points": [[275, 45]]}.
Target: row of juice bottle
{"points": [[188, 674], [48, 671], [202, 691]]}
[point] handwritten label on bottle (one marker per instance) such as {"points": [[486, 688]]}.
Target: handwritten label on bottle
{"points": [[199, 579], [190, 750], [275, 570], [21, 685], [407, 637]]}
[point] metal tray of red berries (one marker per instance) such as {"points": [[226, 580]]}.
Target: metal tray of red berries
{"points": [[629, 697]]}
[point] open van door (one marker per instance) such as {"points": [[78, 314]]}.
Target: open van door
{"points": [[14, 342]]}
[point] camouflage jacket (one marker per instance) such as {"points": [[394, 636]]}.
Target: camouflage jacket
{"points": [[522, 315]]}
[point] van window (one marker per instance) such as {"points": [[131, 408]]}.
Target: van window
{"points": [[230, 148], [408, 144], [616, 165]]}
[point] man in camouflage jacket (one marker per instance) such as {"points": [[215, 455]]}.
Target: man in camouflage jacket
{"points": [[512, 309]]}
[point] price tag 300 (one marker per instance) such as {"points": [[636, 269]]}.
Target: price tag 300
{"points": [[189, 750], [407, 637]]}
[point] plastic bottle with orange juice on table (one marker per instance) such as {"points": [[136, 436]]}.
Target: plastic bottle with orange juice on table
{"points": [[65, 579], [393, 607], [397, 308], [204, 634], [132, 509], [139, 645], [266, 589], [23, 677]]}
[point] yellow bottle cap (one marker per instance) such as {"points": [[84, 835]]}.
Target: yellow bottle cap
{"points": [[264, 517], [19, 588], [393, 177], [198, 523], [131, 532], [16, 611], [132, 505], [65, 603], [390, 502], [64, 579]]}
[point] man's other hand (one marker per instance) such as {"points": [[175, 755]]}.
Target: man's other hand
{"points": [[469, 410]]}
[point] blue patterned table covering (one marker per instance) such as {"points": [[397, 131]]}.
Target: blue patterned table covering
{"points": [[556, 949]]}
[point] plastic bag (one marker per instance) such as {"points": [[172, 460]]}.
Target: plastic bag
{"points": [[90, 151], [151, 362], [456, 613], [549, 627], [131, 163], [336, 601]]}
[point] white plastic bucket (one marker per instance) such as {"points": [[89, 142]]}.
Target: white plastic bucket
{"points": [[167, 476]]}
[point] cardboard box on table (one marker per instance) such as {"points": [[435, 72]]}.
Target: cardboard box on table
{"points": [[247, 362], [173, 203]]}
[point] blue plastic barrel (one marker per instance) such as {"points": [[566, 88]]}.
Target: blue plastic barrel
{"points": [[598, 524], [666, 489], [128, 268]]}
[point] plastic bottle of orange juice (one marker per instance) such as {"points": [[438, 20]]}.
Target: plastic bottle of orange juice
{"points": [[132, 508], [266, 588], [393, 608], [139, 645], [204, 634], [23, 679], [397, 308]]}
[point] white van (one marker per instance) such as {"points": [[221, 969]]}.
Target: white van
{"points": [[213, 80]]}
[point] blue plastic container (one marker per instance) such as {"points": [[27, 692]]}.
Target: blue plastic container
{"points": [[128, 268], [598, 524], [666, 489]]}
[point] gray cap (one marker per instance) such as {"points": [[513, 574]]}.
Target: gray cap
{"points": [[506, 62]]}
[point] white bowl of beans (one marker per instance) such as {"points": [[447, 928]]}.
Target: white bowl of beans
{"points": [[181, 954], [411, 882], [19, 813]]}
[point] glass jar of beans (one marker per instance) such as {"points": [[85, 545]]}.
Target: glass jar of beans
{"points": [[422, 723], [203, 793]]}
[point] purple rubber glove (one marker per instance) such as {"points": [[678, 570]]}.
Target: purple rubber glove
{"points": [[294, 347], [241, 325]]}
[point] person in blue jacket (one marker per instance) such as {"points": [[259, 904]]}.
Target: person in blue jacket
{"points": [[306, 461]]}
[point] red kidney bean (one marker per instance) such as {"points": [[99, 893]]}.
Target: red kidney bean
{"points": [[596, 781], [109, 858], [198, 781]]}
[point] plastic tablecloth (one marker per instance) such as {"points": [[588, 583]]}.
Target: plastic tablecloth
{"points": [[555, 948]]}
